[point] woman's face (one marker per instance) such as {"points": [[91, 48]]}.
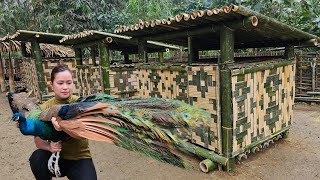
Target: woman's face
{"points": [[62, 85]]}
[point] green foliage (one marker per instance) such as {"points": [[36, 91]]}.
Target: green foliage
{"points": [[59, 16]]}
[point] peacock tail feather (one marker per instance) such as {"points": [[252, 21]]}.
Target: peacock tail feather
{"points": [[152, 126]]}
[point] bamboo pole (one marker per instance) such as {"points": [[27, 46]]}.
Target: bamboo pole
{"points": [[142, 51], [313, 66], [160, 55], [38, 61], [193, 54], [11, 74], [105, 67], [227, 57], [263, 67], [78, 54], [266, 21], [246, 23], [289, 53], [2, 82], [126, 58], [300, 66], [202, 152], [93, 55], [24, 49]]}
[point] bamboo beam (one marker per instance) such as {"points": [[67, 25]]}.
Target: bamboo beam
{"points": [[142, 50], [245, 70], [78, 54], [38, 61], [105, 67], [11, 74], [202, 152], [267, 22], [246, 23], [2, 82], [227, 57]]}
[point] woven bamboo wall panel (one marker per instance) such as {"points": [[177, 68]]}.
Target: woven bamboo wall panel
{"points": [[202, 92], [89, 79], [123, 84], [49, 64], [30, 77], [163, 84], [262, 104]]}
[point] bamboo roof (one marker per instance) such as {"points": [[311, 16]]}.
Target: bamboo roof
{"points": [[41, 37], [8, 45], [50, 50], [251, 28], [47, 50], [114, 41]]}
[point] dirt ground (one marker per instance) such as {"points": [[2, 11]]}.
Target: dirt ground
{"points": [[297, 157]]}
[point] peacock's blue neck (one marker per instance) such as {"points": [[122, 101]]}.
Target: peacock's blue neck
{"points": [[31, 127]]}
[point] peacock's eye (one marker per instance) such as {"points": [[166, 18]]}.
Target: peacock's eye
{"points": [[186, 115]]}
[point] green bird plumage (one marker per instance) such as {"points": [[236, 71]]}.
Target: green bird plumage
{"points": [[152, 126]]}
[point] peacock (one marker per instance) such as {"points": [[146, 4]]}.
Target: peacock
{"points": [[155, 127]]}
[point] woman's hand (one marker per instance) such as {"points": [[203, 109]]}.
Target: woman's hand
{"points": [[55, 124], [55, 147]]}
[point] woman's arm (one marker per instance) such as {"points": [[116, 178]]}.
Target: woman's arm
{"points": [[46, 145]]}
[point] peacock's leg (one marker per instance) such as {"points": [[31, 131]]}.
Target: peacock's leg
{"points": [[53, 164]]}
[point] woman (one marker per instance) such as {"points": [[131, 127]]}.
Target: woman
{"points": [[75, 161]]}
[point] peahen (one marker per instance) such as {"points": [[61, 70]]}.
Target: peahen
{"points": [[153, 126]]}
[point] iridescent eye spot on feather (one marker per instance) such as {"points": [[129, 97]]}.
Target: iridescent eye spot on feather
{"points": [[185, 115]]}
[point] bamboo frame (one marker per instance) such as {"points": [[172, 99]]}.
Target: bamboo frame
{"points": [[227, 57], [11, 74], [38, 61], [2, 82], [78, 54], [105, 67], [142, 50]]}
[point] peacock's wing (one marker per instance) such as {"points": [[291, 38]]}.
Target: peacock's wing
{"points": [[152, 126]]}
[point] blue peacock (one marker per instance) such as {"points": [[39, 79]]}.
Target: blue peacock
{"points": [[155, 127]]}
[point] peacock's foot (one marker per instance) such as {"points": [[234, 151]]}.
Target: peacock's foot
{"points": [[53, 164]]}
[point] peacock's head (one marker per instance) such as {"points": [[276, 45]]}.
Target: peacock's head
{"points": [[17, 117], [21, 103]]}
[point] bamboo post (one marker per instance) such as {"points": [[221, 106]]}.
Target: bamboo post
{"points": [[38, 61], [142, 50], [105, 67], [24, 49], [193, 54], [10, 74], [160, 56], [300, 69], [93, 55], [126, 58], [313, 65], [227, 57], [78, 54], [289, 53], [2, 82]]}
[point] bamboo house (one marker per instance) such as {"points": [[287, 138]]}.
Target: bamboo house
{"points": [[7, 65], [250, 98], [308, 77], [41, 52]]}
